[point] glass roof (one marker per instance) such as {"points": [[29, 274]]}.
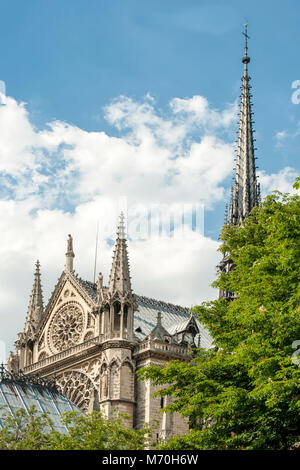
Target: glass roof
{"points": [[15, 395]]}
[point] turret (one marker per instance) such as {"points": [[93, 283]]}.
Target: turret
{"points": [[119, 279], [25, 341], [118, 301], [35, 308]]}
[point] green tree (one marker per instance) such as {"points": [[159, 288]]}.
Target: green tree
{"points": [[34, 431], [94, 432], [296, 185], [25, 430], [244, 393]]}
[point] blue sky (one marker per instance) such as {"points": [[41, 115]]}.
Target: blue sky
{"points": [[71, 61]]}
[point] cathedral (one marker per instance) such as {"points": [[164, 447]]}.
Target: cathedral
{"points": [[93, 337]]}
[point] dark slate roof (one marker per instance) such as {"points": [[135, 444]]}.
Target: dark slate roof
{"points": [[19, 394], [89, 287], [146, 315]]}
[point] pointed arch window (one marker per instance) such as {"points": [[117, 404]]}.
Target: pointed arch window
{"points": [[117, 318], [125, 321]]}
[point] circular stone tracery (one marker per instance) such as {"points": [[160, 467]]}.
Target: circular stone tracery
{"points": [[66, 327], [77, 387]]}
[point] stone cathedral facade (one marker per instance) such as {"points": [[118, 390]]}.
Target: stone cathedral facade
{"points": [[94, 337]]}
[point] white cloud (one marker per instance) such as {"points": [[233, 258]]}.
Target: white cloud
{"points": [[281, 135], [62, 179], [173, 269], [280, 138], [281, 181], [156, 154]]}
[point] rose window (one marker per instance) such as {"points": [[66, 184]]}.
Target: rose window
{"points": [[77, 387], [67, 327]]}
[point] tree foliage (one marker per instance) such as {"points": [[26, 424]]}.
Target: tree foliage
{"points": [[34, 431], [296, 185], [25, 430], [244, 393]]}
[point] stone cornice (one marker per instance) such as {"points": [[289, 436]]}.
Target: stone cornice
{"points": [[126, 400], [159, 355], [115, 344], [70, 362], [67, 356], [158, 349], [79, 352]]}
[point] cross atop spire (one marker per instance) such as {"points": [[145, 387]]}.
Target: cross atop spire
{"points": [[119, 279], [246, 59], [36, 307], [244, 194]]}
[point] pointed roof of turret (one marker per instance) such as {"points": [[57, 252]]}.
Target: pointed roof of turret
{"points": [[36, 305], [244, 194], [119, 279], [159, 332]]}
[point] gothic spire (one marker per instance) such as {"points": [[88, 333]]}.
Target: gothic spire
{"points": [[119, 279], [36, 307], [69, 254], [245, 190]]}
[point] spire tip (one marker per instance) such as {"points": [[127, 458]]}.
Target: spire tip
{"points": [[121, 226], [246, 58]]}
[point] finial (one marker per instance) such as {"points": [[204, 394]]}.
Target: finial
{"points": [[158, 319], [70, 243], [69, 254], [37, 265], [246, 59], [100, 281], [119, 279], [121, 227]]}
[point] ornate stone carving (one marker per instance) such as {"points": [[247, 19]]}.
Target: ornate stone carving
{"points": [[77, 387], [66, 327], [92, 369], [91, 321], [41, 343], [88, 335], [104, 382], [42, 356]]}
